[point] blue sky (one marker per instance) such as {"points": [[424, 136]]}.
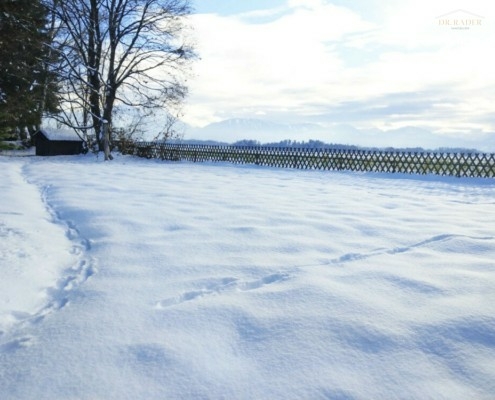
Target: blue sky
{"points": [[369, 64], [229, 7]]}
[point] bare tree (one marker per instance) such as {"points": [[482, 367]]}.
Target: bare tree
{"points": [[129, 52]]}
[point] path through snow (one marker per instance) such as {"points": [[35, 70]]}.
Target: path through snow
{"points": [[41, 258]]}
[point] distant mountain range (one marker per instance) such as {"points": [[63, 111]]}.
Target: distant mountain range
{"points": [[262, 131], [237, 129]]}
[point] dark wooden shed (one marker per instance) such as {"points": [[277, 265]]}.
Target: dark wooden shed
{"points": [[54, 142]]}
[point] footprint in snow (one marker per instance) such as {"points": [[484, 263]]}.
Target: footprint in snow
{"points": [[267, 280], [350, 257], [225, 284], [16, 344]]}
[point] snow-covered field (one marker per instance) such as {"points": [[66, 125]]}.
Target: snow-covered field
{"points": [[139, 279]]}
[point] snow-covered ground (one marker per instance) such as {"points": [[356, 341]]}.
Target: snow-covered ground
{"points": [[139, 279]]}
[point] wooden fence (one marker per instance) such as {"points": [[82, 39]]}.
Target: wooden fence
{"points": [[453, 164]]}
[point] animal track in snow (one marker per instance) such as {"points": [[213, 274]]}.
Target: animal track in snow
{"points": [[222, 285], [16, 344], [267, 280], [57, 298], [82, 271], [349, 257], [58, 294]]}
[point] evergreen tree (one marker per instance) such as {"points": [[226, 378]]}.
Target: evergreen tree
{"points": [[27, 88]]}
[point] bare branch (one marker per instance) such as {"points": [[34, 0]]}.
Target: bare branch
{"points": [[129, 52]]}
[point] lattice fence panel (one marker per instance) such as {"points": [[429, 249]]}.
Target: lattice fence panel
{"points": [[451, 164]]}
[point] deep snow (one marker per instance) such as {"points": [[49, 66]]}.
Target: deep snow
{"points": [[139, 279]]}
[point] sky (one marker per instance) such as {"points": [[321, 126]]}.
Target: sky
{"points": [[369, 64]]}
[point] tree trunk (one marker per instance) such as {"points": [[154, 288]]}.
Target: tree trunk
{"points": [[94, 79], [106, 141]]}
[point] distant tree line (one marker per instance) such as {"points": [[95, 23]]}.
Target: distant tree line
{"points": [[318, 144], [77, 60], [310, 144]]}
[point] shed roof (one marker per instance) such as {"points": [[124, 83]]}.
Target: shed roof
{"points": [[60, 134]]}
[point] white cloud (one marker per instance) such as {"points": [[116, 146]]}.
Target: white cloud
{"points": [[314, 56], [263, 63]]}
